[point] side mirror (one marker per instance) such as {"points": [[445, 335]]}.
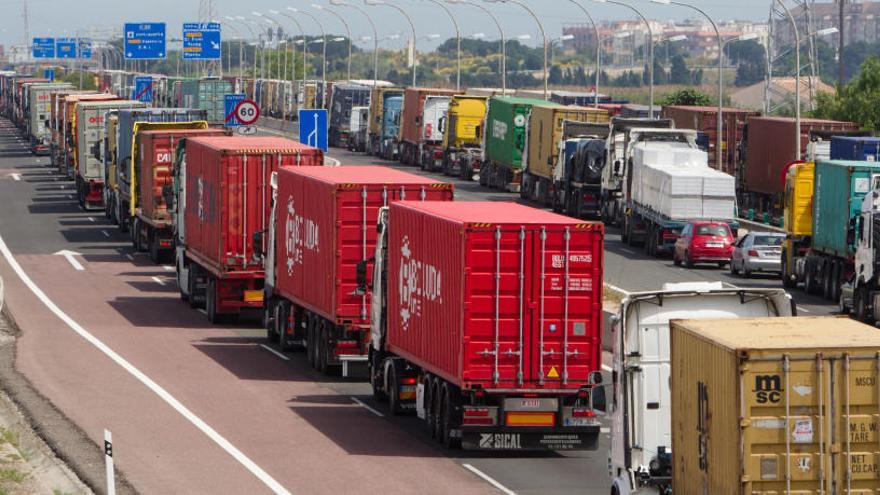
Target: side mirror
{"points": [[257, 240], [361, 276], [616, 167], [168, 194], [598, 400], [595, 378]]}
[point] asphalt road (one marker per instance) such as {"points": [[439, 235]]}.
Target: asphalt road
{"points": [[196, 408]]}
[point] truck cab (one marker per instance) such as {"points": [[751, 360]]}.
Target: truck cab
{"points": [[862, 293], [624, 134], [577, 174], [391, 113], [640, 403]]}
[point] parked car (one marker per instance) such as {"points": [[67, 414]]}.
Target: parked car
{"points": [[704, 242], [757, 252]]}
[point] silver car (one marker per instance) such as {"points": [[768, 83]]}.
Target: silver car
{"points": [[757, 252]]}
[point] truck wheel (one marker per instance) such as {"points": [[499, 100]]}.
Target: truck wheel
{"points": [[836, 268], [376, 377], [211, 301], [322, 348], [184, 294], [860, 304], [826, 281], [787, 280], [191, 287], [841, 304], [429, 403], [271, 315], [449, 422], [393, 390], [436, 403], [155, 252], [310, 341]]}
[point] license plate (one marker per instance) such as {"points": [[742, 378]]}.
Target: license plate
{"points": [[253, 296], [580, 422], [714, 244]]}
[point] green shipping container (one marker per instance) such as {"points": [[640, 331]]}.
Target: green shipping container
{"points": [[838, 191], [505, 133], [212, 97]]}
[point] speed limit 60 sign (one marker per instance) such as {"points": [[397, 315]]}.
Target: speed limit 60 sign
{"points": [[247, 112]]}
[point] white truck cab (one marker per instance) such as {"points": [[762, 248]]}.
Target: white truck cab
{"points": [[639, 405]]}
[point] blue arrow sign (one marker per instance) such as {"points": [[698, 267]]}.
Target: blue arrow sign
{"points": [[143, 89], [201, 41], [313, 128], [144, 41], [65, 48], [85, 48], [232, 101], [44, 48]]}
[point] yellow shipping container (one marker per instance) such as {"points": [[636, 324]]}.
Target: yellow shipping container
{"points": [[775, 406], [377, 106], [464, 122]]}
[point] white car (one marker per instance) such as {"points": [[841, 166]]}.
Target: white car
{"points": [[757, 252]]}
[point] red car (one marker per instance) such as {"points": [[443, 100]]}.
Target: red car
{"points": [[704, 242]]}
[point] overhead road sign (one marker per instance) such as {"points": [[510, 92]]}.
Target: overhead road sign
{"points": [[247, 112], [201, 41], [49, 74], [144, 41], [231, 103], [65, 48], [143, 89], [85, 48], [313, 128], [43, 48]]}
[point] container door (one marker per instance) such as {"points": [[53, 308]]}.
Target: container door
{"points": [[520, 118], [813, 428]]}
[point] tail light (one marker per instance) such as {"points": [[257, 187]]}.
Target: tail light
{"points": [[753, 253], [408, 381], [584, 393], [583, 412], [589, 198], [478, 416], [669, 235], [438, 154], [346, 347]]}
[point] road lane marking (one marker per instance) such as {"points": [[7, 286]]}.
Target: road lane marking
{"points": [[70, 196], [368, 408], [130, 257], [70, 257], [607, 368], [627, 251], [92, 219], [799, 308], [168, 268], [158, 280], [489, 479], [169, 399], [605, 430], [15, 177], [106, 234], [273, 351]]}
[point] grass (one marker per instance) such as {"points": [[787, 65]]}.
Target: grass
{"points": [[12, 475]]}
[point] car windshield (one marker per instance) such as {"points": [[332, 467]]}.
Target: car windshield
{"points": [[768, 240], [719, 230]]}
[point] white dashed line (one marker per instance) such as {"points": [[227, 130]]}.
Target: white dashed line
{"points": [[799, 308], [106, 234], [273, 351], [368, 408], [158, 280], [489, 479]]}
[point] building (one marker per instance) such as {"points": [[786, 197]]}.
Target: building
{"points": [[861, 22], [783, 90]]}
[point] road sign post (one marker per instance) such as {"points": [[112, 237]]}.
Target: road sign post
{"points": [[201, 41], [143, 89], [231, 104], [247, 112], [43, 48], [144, 41], [313, 128]]}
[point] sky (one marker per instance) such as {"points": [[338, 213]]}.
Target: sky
{"points": [[56, 18]]}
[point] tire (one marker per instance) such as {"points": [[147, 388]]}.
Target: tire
{"points": [[184, 295], [273, 319], [282, 324], [435, 408], [826, 282], [211, 301], [311, 340], [810, 283], [448, 422], [323, 365], [155, 252], [733, 270], [429, 404], [375, 378], [687, 260], [787, 282], [860, 304], [393, 389], [675, 259], [836, 268], [191, 287], [841, 306]]}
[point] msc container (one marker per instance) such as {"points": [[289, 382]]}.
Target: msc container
{"points": [[705, 120], [855, 148], [838, 191], [545, 133], [774, 405], [413, 112], [464, 278], [770, 148]]}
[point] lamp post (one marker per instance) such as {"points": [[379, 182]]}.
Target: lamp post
{"points": [[323, 42], [598, 49], [543, 36], [797, 81], [670, 40], [501, 33], [415, 61], [305, 48], [347, 30], [650, 49], [375, 35], [457, 40], [248, 24], [559, 40]]}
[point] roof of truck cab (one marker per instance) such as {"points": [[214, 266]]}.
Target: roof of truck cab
{"points": [[363, 175], [492, 212]]}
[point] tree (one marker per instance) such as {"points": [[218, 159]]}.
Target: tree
{"points": [[858, 101], [556, 76], [751, 62], [679, 73], [689, 97]]}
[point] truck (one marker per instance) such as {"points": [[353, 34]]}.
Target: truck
{"points": [[669, 183], [152, 170], [360, 119], [577, 177], [124, 195], [39, 108], [774, 405], [504, 142], [421, 125], [544, 132], [797, 221], [623, 135], [323, 226], [385, 106], [89, 169], [221, 204], [67, 154], [828, 259], [486, 321], [640, 409], [463, 136], [106, 152], [56, 123], [207, 93], [343, 100]]}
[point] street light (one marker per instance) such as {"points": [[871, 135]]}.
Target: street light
{"points": [[650, 48], [668, 41], [543, 36], [598, 49], [302, 32], [347, 30], [411, 25], [557, 41], [797, 81], [457, 40], [375, 36], [257, 38], [324, 49], [501, 33]]}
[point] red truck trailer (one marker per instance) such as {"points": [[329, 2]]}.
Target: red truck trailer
{"points": [[324, 225], [487, 321], [705, 121], [225, 207], [152, 228], [417, 128]]}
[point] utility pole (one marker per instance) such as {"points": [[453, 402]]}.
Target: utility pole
{"points": [[841, 76], [27, 29]]}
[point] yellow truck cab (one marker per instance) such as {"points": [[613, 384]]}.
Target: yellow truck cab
{"points": [[463, 136], [798, 221]]}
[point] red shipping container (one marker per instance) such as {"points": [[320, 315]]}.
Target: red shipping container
{"points": [[770, 148], [325, 225], [413, 108], [228, 196], [156, 156], [461, 274]]}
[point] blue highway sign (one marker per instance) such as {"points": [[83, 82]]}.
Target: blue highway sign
{"points": [[143, 89], [85, 48], [232, 102], [313, 128], [49, 74], [44, 48], [201, 41], [144, 41], [65, 48]]}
